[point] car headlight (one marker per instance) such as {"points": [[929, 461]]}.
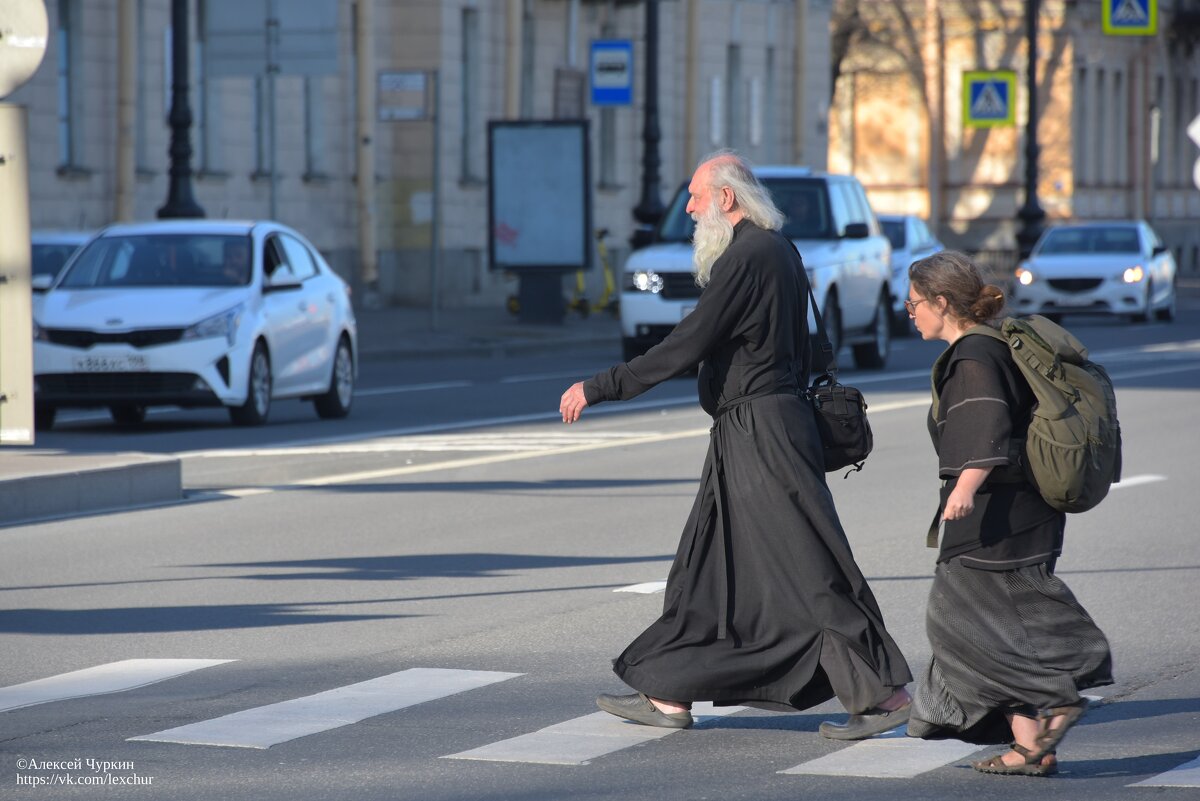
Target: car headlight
{"points": [[224, 324], [643, 281], [1133, 275], [1024, 276]]}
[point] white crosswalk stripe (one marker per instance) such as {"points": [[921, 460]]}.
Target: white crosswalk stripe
{"points": [[889, 756], [114, 677], [645, 588], [577, 741], [1186, 775], [265, 726]]}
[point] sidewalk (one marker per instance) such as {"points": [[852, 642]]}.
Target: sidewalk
{"points": [[38, 484]]}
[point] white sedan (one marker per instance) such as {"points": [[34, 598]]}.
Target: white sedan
{"points": [[1116, 268], [195, 313], [911, 241]]}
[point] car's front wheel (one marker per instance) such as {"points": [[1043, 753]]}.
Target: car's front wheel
{"points": [[831, 316], [258, 393], [43, 416], [873, 355], [1144, 315], [339, 397], [1167, 313]]}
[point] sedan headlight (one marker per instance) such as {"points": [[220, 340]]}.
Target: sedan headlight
{"points": [[643, 281], [224, 324], [1133, 275], [1024, 276]]}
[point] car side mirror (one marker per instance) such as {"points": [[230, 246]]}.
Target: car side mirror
{"points": [[857, 230], [41, 283], [1159, 249], [282, 285]]}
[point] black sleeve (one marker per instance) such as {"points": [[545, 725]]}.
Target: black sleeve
{"points": [[722, 305], [976, 422]]}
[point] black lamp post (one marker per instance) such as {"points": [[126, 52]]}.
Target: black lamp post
{"points": [[1031, 214], [650, 209], [180, 202]]}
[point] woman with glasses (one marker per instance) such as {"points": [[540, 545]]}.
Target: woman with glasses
{"points": [[1012, 647]]}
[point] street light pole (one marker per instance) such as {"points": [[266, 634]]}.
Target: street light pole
{"points": [[180, 202], [650, 209], [1031, 214]]}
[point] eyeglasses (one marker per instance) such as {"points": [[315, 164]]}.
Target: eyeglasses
{"points": [[911, 305]]}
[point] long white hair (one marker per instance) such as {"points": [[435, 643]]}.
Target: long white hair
{"points": [[713, 231]]}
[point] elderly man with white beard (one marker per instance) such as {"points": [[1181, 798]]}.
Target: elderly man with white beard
{"points": [[765, 605]]}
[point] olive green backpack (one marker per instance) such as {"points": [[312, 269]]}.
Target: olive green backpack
{"points": [[1072, 452]]}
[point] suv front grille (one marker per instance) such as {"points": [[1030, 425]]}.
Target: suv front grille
{"points": [[679, 286]]}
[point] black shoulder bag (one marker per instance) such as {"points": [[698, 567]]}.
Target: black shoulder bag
{"points": [[840, 411]]}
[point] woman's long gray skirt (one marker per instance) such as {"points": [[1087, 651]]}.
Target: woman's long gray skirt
{"points": [[1003, 641]]}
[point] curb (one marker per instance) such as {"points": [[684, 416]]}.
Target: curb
{"points": [[53, 486]]}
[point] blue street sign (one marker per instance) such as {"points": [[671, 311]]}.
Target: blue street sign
{"points": [[988, 98], [611, 72], [1130, 17]]}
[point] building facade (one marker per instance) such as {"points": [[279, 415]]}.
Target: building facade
{"points": [[747, 74], [1111, 120]]}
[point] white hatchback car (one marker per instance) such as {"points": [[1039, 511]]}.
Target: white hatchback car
{"points": [[195, 313], [911, 241], [1117, 267], [845, 255]]}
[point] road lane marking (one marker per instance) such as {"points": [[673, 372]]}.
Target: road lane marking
{"points": [[114, 677], [889, 756], [397, 390], [647, 588], [1137, 481], [521, 379], [1186, 775], [265, 726], [577, 741], [507, 441]]}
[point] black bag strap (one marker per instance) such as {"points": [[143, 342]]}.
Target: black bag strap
{"points": [[828, 365]]}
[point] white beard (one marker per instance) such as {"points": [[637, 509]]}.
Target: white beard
{"points": [[712, 237]]}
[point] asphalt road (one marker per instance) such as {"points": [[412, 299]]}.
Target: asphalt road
{"points": [[437, 575]]}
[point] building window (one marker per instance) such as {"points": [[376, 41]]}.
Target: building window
{"points": [[141, 124], [1120, 159], [469, 97], [1079, 124], [734, 119], [67, 37], [1100, 146], [207, 101], [262, 123], [314, 127]]}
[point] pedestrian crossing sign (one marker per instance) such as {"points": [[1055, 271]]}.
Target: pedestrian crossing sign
{"points": [[989, 98], [1130, 17]]}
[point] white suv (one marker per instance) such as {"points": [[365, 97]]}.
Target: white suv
{"points": [[845, 254]]}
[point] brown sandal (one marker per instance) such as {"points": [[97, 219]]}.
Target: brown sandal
{"points": [[1050, 735], [1032, 766]]}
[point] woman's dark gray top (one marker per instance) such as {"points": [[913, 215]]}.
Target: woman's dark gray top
{"points": [[984, 409]]}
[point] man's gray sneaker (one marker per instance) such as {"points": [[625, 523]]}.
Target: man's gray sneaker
{"points": [[860, 727], [640, 709]]}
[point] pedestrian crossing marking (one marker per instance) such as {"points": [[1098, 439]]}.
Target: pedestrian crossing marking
{"points": [[894, 755], [1186, 775], [579, 740], [1136, 481], [114, 677], [265, 726]]}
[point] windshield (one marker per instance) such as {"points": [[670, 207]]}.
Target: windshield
{"points": [[1092, 239], [49, 259], [803, 201], [162, 260], [894, 231]]}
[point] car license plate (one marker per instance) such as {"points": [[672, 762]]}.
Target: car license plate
{"points": [[1073, 300], [686, 311], [110, 364]]}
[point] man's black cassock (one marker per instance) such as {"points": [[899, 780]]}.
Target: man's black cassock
{"points": [[764, 602]]}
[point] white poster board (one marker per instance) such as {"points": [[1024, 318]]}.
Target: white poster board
{"points": [[539, 195]]}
